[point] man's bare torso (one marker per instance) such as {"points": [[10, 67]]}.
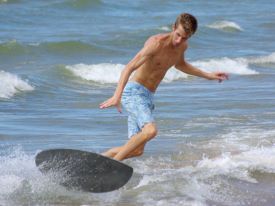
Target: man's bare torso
{"points": [[154, 69]]}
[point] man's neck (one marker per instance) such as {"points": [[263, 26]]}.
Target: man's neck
{"points": [[169, 41]]}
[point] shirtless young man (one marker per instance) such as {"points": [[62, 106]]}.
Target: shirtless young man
{"points": [[160, 52]]}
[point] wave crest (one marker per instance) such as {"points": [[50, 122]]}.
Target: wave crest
{"points": [[269, 59], [101, 73], [234, 66], [228, 26], [12, 84], [13, 48], [69, 47], [110, 73]]}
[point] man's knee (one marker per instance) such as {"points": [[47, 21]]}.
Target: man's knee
{"points": [[150, 130]]}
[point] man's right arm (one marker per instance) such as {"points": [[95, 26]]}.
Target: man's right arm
{"points": [[149, 49]]}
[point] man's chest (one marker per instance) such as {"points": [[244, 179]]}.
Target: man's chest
{"points": [[165, 60]]}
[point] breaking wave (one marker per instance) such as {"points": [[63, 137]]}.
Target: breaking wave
{"points": [[110, 73], [12, 84], [227, 26]]}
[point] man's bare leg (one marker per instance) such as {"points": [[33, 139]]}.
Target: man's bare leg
{"points": [[112, 152], [148, 132]]}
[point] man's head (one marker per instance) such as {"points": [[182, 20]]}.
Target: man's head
{"points": [[184, 27]]}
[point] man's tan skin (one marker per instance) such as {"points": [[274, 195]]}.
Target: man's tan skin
{"points": [[159, 54]]}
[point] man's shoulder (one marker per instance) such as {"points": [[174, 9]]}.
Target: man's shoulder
{"points": [[159, 37], [156, 40]]}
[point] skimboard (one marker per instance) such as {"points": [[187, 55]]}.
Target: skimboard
{"points": [[82, 170]]}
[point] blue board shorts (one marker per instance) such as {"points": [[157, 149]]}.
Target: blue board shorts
{"points": [[137, 100]]}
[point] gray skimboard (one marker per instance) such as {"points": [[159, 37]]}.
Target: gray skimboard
{"points": [[83, 170]]}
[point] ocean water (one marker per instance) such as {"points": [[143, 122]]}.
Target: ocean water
{"points": [[216, 143]]}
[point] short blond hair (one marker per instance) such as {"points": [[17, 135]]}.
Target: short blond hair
{"points": [[188, 22]]}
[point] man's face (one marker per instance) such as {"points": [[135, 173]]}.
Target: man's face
{"points": [[179, 36]]}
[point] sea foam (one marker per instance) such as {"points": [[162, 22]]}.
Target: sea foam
{"points": [[21, 183], [225, 26], [101, 73], [239, 166], [238, 66], [209, 177], [268, 59], [110, 73], [165, 28], [10, 84]]}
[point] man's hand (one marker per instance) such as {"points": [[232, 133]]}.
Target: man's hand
{"points": [[218, 76], [113, 101]]}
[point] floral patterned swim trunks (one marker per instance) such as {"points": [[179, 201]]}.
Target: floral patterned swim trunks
{"points": [[137, 100]]}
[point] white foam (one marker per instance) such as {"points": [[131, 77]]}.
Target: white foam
{"points": [[14, 169], [204, 180], [268, 59], [22, 182], [10, 84], [238, 66], [10, 182], [172, 201], [238, 166], [225, 25], [208, 178], [173, 74], [110, 73], [164, 180], [101, 73], [165, 28]]}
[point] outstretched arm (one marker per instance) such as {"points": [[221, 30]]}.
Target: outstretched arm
{"points": [[185, 67], [149, 49]]}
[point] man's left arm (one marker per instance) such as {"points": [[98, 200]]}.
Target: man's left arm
{"points": [[187, 68]]}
